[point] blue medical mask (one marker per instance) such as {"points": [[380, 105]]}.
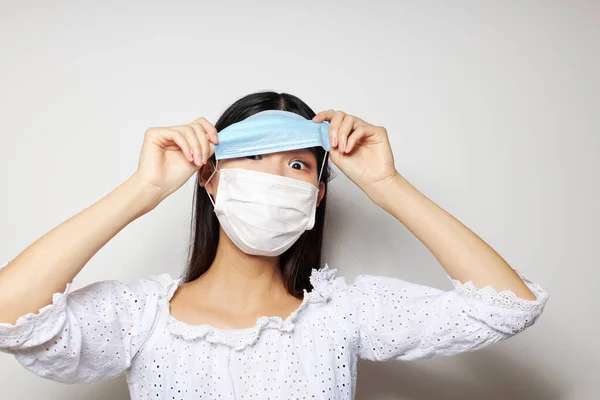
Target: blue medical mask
{"points": [[271, 131]]}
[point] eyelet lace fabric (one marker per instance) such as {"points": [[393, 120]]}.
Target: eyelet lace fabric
{"points": [[109, 327]]}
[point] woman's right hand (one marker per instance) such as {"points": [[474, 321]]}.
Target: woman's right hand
{"points": [[171, 155]]}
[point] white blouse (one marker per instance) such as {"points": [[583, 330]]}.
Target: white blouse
{"points": [[109, 327]]}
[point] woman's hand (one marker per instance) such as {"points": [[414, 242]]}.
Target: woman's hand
{"points": [[360, 150], [171, 155]]}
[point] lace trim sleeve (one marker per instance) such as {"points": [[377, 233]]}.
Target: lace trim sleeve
{"points": [[33, 329], [504, 299]]}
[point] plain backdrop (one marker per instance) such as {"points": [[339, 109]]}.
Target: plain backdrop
{"points": [[492, 109]]}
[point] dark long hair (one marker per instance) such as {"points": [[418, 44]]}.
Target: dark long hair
{"points": [[297, 262]]}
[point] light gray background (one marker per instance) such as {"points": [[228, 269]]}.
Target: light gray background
{"points": [[492, 109]]}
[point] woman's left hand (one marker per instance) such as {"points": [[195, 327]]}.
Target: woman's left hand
{"points": [[360, 150]]}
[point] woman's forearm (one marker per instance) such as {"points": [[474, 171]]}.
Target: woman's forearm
{"points": [[28, 282], [463, 254]]}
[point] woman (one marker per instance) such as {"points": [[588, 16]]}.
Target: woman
{"points": [[254, 316]]}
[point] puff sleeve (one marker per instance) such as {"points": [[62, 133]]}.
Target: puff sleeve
{"points": [[89, 334], [395, 319]]}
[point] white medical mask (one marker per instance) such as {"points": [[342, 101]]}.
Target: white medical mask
{"points": [[262, 213]]}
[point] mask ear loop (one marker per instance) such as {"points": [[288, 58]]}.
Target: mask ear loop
{"points": [[208, 180], [314, 210], [322, 167]]}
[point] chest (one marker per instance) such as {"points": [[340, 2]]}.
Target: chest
{"points": [[307, 362]]}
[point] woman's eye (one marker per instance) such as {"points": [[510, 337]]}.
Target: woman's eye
{"points": [[253, 157], [298, 165]]}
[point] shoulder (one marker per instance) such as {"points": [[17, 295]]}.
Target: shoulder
{"points": [[153, 287], [328, 285], [161, 285]]}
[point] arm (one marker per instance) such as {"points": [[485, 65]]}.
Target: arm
{"points": [[363, 152], [391, 318], [166, 162], [463, 254], [95, 332], [46, 266]]}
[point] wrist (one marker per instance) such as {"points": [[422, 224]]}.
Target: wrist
{"points": [[383, 191], [142, 195]]}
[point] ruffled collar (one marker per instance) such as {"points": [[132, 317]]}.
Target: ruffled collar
{"points": [[321, 279]]}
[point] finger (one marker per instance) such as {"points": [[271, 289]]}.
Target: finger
{"points": [[192, 138], [326, 115], [209, 129], [178, 138], [202, 137], [320, 117], [335, 124], [359, 122], [345, 130], [190, 135], [357, 135], [204, 142]]}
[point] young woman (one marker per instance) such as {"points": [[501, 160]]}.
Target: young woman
{"points": [[255, 317]]}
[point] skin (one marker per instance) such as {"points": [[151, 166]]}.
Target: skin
{"points": [[253, 284]]}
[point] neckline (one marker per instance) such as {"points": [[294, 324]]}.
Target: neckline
{"points": [[177, 283], [238, 338]]}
